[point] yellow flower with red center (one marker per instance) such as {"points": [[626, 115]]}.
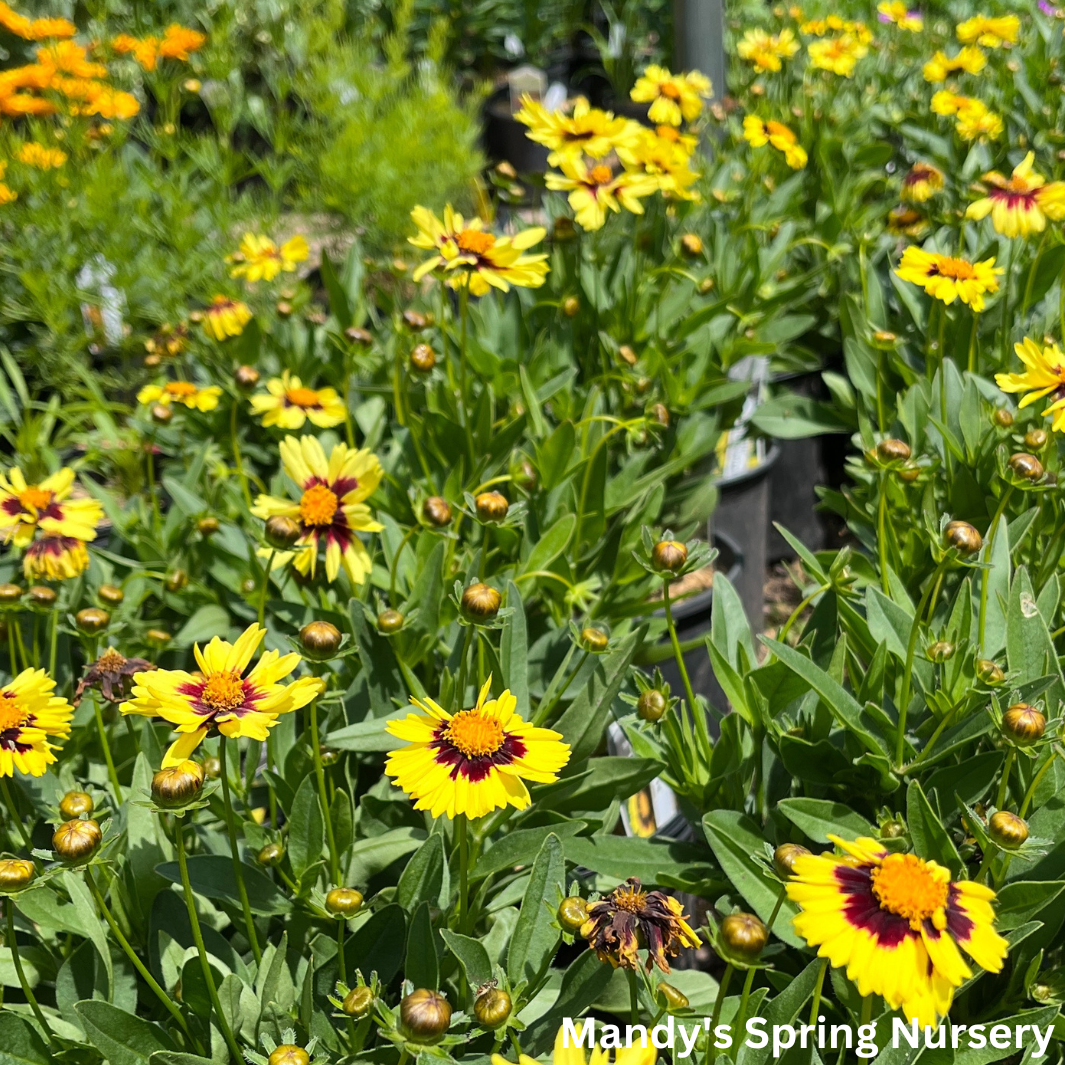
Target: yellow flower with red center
{"points": [[896, 11], [674, 98], [758, 133], [288, 404], [895, 922], [662, 160], [947, 278], [969, 60], [1021, 204], [29, 715], [474, 761], [220, 698], [595, 191], [330, 510], [38, 29], [37, 155], [1043, 376], [906, 221], [988, 31], [47, 507], [837, 54], [466, 254], [55, 558], [260, 259], [921, 183], [225, 318], [585, 130], [764, 50], [186, 393]]}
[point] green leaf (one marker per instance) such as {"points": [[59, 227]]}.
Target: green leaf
{"points": [[998, 590], [177, 1057], [930, 838], [535, 938], [384, 680], [553, 542], [819, 817], [306, 828], [1020, 901], [514, 848], [584, 981], [606, 779], [368, 735], [794, 417], [423, 876], [211, 875], [654, 861], [1030, 651], [556, 455], [422, 966], [514, 650], [735, 839], [378, 944], [19, 1042], [372, 856], [122, 1038], [532, 404], [338, 298], [209, 621], [782, 1010], [471, 955]]}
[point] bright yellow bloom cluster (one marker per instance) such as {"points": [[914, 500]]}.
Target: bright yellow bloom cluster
{"points": [[1020, 204], [260, 259], [764, 50], [973, 119], [969, 60], [988, 31], [834, 24], [584, 130], [470, 257], [288, 404], [184, 392], [177, 43], [1044, 376], [663, 156], [948, 278], [895, 11], [37, 29], [839, 55], [759, 132], [674, 98], [225, 318], [40, 157]]}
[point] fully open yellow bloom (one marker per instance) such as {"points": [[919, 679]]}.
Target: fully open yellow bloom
{"points": [[38, 29], [946, 278], [225, 318], [468, 255], [921, 183], [219, 697], [973, 120], [563, 1055], [837, 54], [664, 160], [37, 155], [29, 714], [834, 24], [673, 97], [759, 133], [1021, 204], [895, 922], [990, 32], [45, 508], [583, 131], [330, 510], [475, 761], [896, 11], [764, 50], [260, 259], [288, 404], [969, 60], [185, 392], [593, 192], [1044, 376]]}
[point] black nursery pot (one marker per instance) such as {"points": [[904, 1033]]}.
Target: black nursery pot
{"points": [[505, 138], [794, 480], [692, 619]]}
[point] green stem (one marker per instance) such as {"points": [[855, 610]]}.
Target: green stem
{"points": [[460, 690], [266, 584], [999, 511], [348, 425], [722, 991], [1029, 795], [698, 717], [464, 305], [634, 996], [881, 532], [197, 937], [1005, 350], [323, 797], [972, 345], [168, 1003], [12, 943], [157, 518], [9, 799], [12, 624], [234, 850], [1003, 784], [1031, 276], [867, 1009], [815, 1005], [238, 460], [464, 873], [543, 713], [799, 609], [112, 773], [776, 909], [53, 642], [741, 1016], [907, 669]]}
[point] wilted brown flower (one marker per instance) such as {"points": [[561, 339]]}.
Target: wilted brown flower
{"points": [[111, 675], [629, 918]]}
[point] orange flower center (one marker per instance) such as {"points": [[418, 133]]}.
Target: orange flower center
{"points": [[668, 133], [474, 734], [110, 661], [223, 691], [318, 505], [12, 714], [626, 898], [302, 397], [670, 90], [34, 498], [958, 269], [181, 388], [905, 885], [474, 240], [600, 175]]}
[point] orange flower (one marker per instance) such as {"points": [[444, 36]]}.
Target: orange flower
{"points": [[179, 41], [66, 57]]}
